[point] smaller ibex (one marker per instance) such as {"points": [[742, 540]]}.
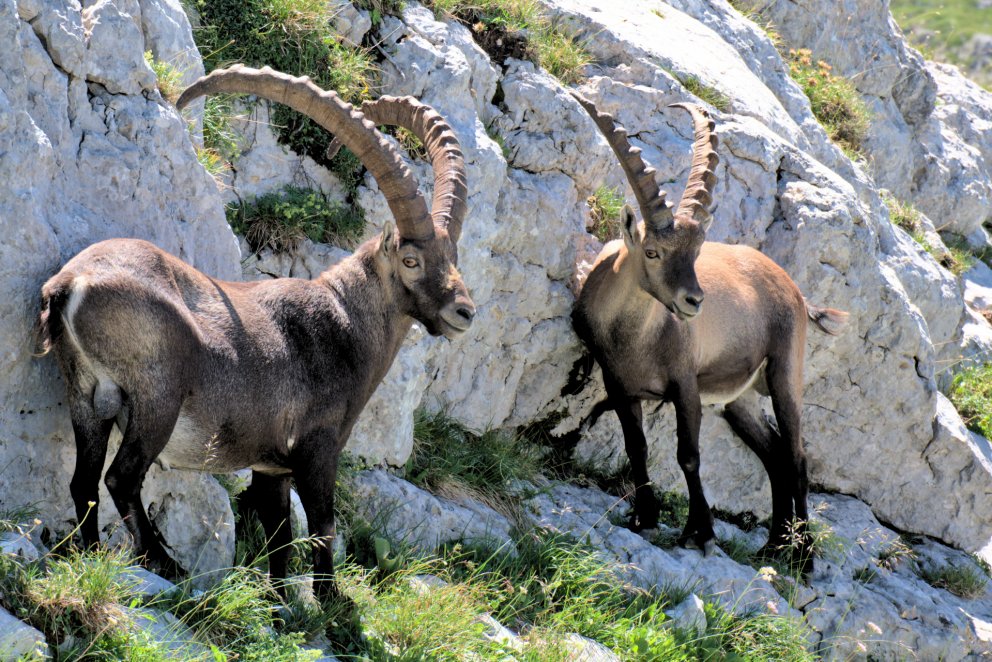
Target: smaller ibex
{"points": [[641, 314], [272, 375]]}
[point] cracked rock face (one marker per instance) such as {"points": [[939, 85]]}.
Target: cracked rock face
{"points": [[90, 152], [865, 598]]}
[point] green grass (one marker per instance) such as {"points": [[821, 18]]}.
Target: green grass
{"points": [[963, 581], [521, 29], [709, 94], [450, 459], [169, 79], [971, 393], [605, 205], [295, 37], [833, 99], [281, 220], [903, 214], [951, 22]]}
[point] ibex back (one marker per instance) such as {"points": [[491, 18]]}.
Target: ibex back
{"points": [[216, 376], [641, 312]]}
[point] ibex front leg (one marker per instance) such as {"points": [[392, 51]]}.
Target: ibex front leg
{"points": [[688, 417], [645, 503], [268, 499], [315, 468]]}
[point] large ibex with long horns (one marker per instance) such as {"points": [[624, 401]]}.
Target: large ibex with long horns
{"points": [[641, 314], [217, 376]]}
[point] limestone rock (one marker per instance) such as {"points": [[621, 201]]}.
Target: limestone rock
{"points": [[420, 519], [19, 640], [689, 615], [20, 545]]}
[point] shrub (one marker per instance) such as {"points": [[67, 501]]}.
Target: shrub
{"points": [[281, 220], [833, 99]]}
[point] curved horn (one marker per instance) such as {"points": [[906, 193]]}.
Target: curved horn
{"points": [[698, 195], [327, 109], [654, 208], [450, 191]]}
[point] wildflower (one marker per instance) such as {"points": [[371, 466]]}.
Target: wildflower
{"points": [[874, 628]]}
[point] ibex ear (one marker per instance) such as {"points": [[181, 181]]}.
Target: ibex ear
{"points": [[388, 240], [629, 224]]}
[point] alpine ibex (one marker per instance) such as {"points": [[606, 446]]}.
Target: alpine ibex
{"points": [[640, 313], [217, 376]]}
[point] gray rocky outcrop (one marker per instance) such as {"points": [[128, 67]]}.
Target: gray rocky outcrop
{"points": [[91, 151], [866, 597]]}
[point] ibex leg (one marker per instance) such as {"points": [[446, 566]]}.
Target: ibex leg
{"points": [[148, 431]]}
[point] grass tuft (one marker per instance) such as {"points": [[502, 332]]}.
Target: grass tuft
{"points": [[833, 99], [963, 581], [605, 206], [170, 79], [709, 94], [971, 393], [450, 459], [519, 29], [281, 220]]}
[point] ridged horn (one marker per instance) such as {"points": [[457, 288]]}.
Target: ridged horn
{"points": [[381, 158], [655, 210], [698, 195], [450, 201]]}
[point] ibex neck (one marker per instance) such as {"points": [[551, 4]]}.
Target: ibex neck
{"points": [[368, 301]]}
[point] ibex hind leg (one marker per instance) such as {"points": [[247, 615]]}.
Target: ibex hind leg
{"points": [[91, 434], [784, 376], [150, 423], [767, 445]]}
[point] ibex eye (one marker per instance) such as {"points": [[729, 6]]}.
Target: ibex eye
{"points": [[410, 262], [651, 254]]}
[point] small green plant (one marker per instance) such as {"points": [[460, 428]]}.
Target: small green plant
{"points": [[674, 508], [73, 598], [707, 93], [960, 257], [894, 553], [605, 206], [447, 457], [170, 79], [283, 219], [215, 164], [833, 99], [562, 56], [971, 393], [903, 214], [963, 581], [865, 575]]}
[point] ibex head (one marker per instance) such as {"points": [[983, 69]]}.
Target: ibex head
{"points": [[421, 257], [665, 245], [417, 256]]}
